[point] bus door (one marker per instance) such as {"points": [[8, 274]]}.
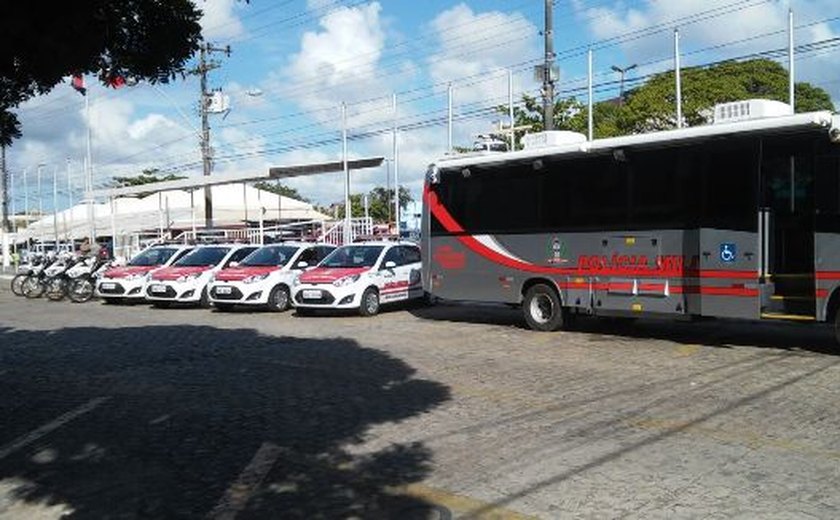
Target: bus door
{"points": [[786, 228]]}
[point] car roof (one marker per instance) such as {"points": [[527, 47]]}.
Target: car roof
{"points": [[299, 244], [381, 243]]}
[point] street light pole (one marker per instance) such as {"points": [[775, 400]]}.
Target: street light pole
{"points": [[204, 67], [40, 195], [622, 72]]}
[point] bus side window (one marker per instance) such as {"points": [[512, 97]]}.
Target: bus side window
{"points": [[828, 184], [729, 177], [662, 188], [828, 192]]}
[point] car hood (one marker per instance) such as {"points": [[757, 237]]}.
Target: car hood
{"points": [[330, 274], [129, 270], [173, 273], [235, 274]]}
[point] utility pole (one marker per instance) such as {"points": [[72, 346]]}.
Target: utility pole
{"points": [[622, 72], [548, 81], [206, 160], [4, 189], [4, 200]]}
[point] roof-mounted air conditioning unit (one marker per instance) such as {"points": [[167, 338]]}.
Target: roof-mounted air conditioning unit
{"points": [[552, 138], [750, 109]]}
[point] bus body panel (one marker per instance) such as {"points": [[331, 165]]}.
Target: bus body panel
{"points": [[827, 266], [671, 272], [740, 225]]}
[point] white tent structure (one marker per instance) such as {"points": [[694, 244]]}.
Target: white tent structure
{"points": [[233, 205]]}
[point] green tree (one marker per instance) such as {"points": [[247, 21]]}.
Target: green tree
{"points": [[9, 128], [41, 44], [380, 204], [282, 189], [146, 177], [652, 105]]}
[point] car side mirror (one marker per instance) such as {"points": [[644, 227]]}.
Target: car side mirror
{"points": [[302, 265], [390, 264]]}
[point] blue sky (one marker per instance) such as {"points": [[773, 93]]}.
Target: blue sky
{"points": [[294, 62]]}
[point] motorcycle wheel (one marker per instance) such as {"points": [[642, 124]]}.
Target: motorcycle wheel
{"points": [[56, 289], [17, 283], [33, 287], [81, 289]]}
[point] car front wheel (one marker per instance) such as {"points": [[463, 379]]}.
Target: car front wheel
{"points": [[278, 299], [370, 302]]}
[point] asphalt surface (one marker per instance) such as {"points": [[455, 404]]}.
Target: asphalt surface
{"points": [[442, 412]]}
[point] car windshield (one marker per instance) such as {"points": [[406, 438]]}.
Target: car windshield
{"points": [[203, 256], [153, 256], [270, 256], [352, 256]]}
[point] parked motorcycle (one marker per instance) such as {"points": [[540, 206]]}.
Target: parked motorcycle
{"points": [[83, 279], [34, 263]]}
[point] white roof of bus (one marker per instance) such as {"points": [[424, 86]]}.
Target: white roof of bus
{"points": [[812, 119]]}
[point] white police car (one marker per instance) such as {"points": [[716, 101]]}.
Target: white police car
{"points": [[125, 283], [361, 276], [186, 280], [264, 278]]}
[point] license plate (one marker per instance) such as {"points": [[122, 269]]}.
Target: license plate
{"points": [[223, 290], [312, 294], [158, 288], [108, 285]]}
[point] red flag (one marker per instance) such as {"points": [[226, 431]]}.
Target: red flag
{"points": [[78, 83], [116, 82]]}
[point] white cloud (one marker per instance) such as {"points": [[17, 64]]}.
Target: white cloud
{"points": [[220, 20], [733, 33], [339, 62], [481, 46]]}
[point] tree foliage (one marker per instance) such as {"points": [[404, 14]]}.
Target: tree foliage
{"points": [[41, 44], [652, 105], [9, 128], [279, 188], [145, 177], [380, 204]]}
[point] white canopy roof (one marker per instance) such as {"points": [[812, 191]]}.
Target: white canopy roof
{"points": [[232, 205]]}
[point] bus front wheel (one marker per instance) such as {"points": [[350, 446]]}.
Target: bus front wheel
{"points": [[543, 309]]}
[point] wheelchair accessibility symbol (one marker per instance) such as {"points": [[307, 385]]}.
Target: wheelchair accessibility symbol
{"points": [[728, 252]]}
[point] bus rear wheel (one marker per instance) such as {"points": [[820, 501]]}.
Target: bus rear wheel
{"points": [[543, 309], [837, 326]]}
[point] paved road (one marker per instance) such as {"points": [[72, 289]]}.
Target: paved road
{"points": [[132, 412]]}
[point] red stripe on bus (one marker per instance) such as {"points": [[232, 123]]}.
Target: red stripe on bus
{"points": [[715, 291], [822, 293], [743, 292], [828, 275], [573, 285], [652, 287], [725, 273], [452, 226]]}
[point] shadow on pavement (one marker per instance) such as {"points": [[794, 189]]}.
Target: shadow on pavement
{"points": [[193, 421], [714, 333]]}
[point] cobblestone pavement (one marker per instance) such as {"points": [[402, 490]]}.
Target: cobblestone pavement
{"points": [[132, 412]]}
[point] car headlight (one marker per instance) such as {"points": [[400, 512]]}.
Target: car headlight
{"points": [[255, 278], [188, 277], [296, 281], [346, 280]]}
